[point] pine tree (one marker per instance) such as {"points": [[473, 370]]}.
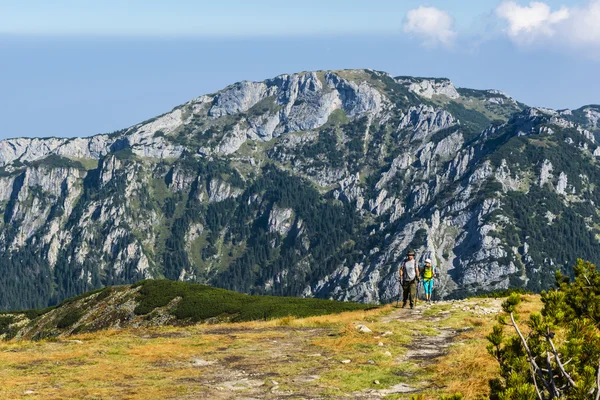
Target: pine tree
{"points": [[558, 356]]}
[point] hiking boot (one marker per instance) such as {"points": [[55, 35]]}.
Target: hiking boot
{"points": [[403, 305]]}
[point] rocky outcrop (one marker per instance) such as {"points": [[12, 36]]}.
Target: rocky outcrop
{"points": [[425, 120], [239, 98], [593, 116], [561, 185], [545, 173], [281, 220], [24, 149], [430, 87], [219, 190], [350, 190]]}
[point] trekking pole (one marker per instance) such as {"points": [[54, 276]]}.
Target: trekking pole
{"points": [[399, 287]]}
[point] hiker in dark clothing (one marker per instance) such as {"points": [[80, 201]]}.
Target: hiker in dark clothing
{"points": [[409, 277]]}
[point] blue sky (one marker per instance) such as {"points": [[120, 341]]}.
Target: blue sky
{"points": [[76, 68], [218, 18]]}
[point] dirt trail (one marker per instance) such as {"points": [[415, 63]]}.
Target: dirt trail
{"points": [[422, 351], [258, 375], [255, 374]]}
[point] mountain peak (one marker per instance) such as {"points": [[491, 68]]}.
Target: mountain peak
{"points": [[308, 184]]}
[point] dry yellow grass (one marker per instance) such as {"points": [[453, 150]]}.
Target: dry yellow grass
{"points": [[151, 363], [299, 354], [468, 367]]}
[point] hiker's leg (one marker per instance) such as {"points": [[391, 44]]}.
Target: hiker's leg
{"points": [[405, 293], [427, 288], [413, 293]]}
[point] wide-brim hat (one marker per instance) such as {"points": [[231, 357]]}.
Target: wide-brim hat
{"points": [[428, 261], [410, 253]]}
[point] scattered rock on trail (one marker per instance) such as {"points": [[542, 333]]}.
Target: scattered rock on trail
{"points": [[198, 362], [399, 388], [363, 329], [478, 308], [346, 361], [241, 384]]}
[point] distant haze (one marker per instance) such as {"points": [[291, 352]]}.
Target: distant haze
{"points": [[74, 69]]}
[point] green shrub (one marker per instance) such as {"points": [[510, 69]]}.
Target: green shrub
{"points": [[124, 154], [81, 296], [69, 319], [104, 293], [37, 312], [56, 161], [80, 329], [5, 321], [558, 356]]}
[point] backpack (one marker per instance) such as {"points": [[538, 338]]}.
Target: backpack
{"points": [[428, 272]]}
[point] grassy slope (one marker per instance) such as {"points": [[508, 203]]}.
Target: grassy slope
{"points": [[201, 302], [159, 302], [279, 358]]}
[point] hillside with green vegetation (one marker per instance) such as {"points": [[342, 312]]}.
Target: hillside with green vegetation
{"points": [[160, 302]]}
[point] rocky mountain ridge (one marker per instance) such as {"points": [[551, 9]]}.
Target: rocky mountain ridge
{"points": [[310, 184]]}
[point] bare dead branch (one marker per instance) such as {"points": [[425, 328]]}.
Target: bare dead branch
{"points": [[554, 392], [537, 389], [598, 382], [560, 365], [535, 369]]}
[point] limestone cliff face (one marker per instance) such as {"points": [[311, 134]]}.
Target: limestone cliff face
{"points": [[309, 184]]}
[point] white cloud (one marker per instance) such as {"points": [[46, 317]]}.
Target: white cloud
{"points": [[433, 26], [530, 21], [537, 23], [584, 25]]}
